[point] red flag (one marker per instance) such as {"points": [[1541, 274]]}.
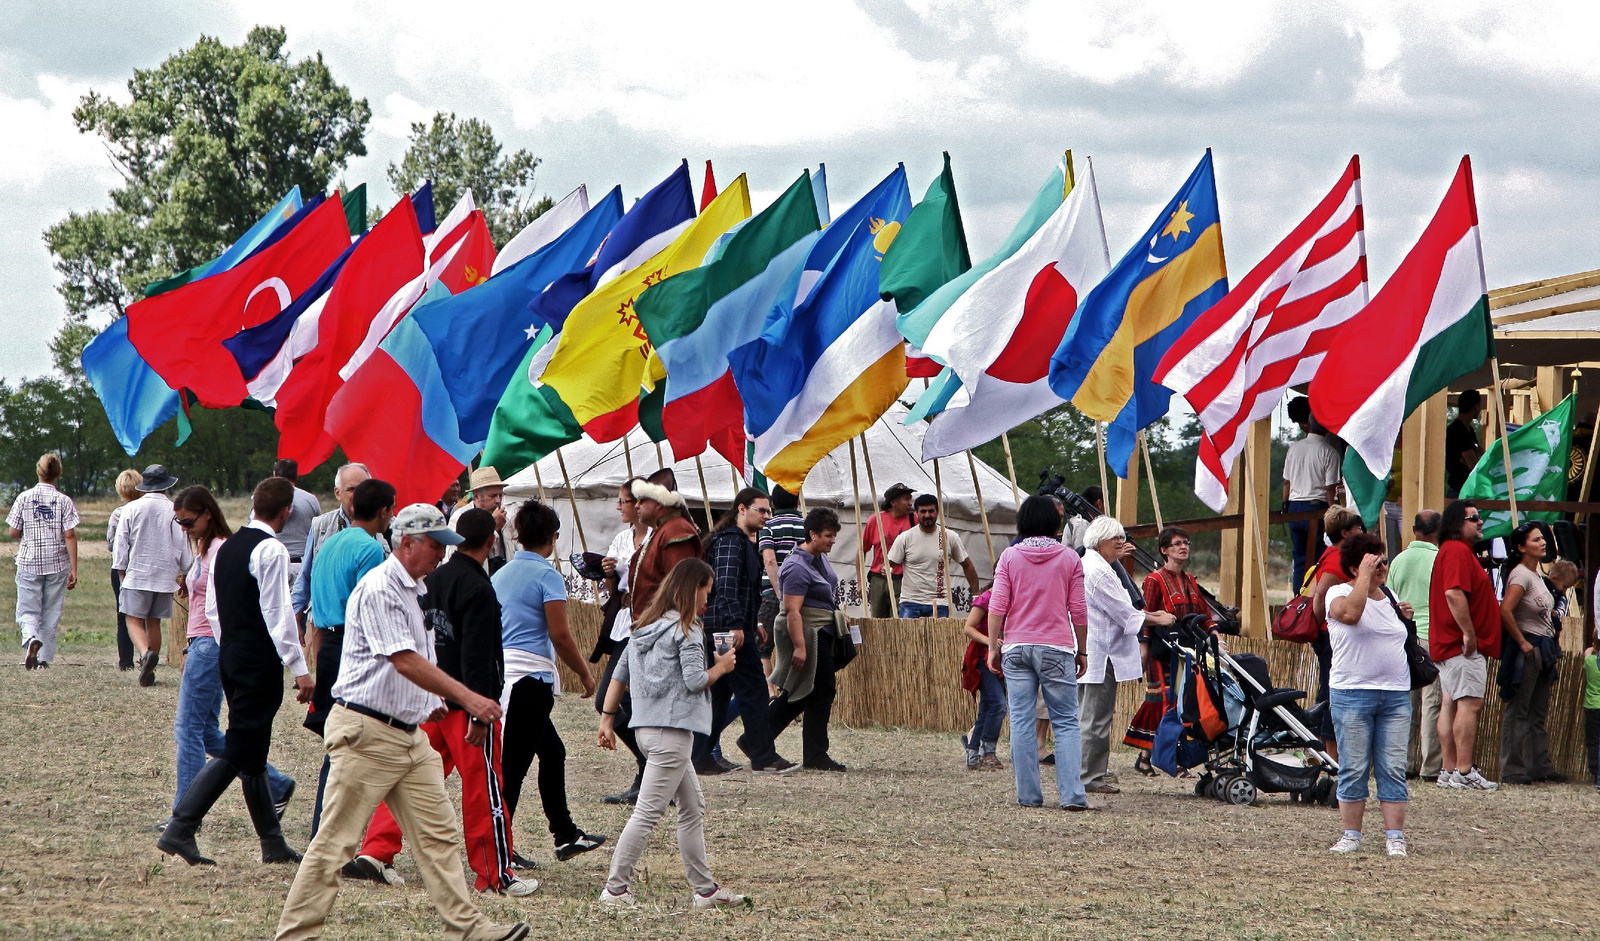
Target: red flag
{"points": [[471, 262], [709, 191], [386, 260], [180, 333]]}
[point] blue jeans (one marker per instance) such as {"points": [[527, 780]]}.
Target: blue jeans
{"points": [[991, 709], [1031, 670], [910, 610], [197, 728], [1373, 728], [1299, 534]]}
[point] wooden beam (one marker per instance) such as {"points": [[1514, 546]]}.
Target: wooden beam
{"points": [[1253, 590], [1128, 493], [1228, 563]]}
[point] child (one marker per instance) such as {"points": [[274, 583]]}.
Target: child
{"points": [[1591, 713], [664, 669], [976, 677]]}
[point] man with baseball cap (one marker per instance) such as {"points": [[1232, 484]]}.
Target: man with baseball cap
{"points": [[488, 492], [388, 685]]}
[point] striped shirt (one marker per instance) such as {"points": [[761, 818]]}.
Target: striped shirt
{"points": [[383, 618], [782, 533], [45, 515]]}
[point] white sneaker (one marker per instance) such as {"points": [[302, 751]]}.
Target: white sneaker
{"points": [[718, 898], [1346, 844], [626, 899], [522, 888], [1453, 780], [1475, 781], [1396, 846]]}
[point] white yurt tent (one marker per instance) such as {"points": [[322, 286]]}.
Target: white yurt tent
{"points": [[597, 470]]}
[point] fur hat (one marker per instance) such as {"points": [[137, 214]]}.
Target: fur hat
{"points": [[644, 490]]}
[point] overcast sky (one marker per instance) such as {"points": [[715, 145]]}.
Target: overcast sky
{"points": [[608, 93]]}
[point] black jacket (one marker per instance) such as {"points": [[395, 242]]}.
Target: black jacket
{"points": [[464, 614], [736, 592]]}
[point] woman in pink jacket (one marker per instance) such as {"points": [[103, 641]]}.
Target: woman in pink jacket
{"points": [[1037, 632]]}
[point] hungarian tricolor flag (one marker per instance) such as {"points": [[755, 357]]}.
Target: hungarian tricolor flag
{"points": [[1428, 326]]}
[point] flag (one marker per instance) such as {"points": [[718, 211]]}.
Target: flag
{"points": [[180, 333], [999, 334], [1270, 332], [695, 319], [355, 210], [383, 262], [819, 188], [1538, 464], [437, 376], [1129, 320], [1426, 327], [650, 225], [542, 230], [931, 248], [238, 251], [599, 364], [708, 189], [826, 368]]}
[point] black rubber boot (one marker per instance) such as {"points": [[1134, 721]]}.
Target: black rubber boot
{"points": [[209, 785], [258, 797]]}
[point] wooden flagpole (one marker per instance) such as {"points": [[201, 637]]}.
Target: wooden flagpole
{"points": [[1261, 549], [983, 511], [861, 537], [576, 521], [627, 452], [1150, 472], [1100, 449], [705, 493], [883, 537], [944, 545], [1505, 441], [538, 478], [1011, 471]]}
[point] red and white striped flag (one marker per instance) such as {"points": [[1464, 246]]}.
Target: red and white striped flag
{"points": [[1271, 331]]}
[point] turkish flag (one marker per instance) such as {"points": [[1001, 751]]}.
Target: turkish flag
{"points": [[386, 260], [180, 333]]}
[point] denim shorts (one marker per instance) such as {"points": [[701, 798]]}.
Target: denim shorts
{"points": [[1373, 729]]}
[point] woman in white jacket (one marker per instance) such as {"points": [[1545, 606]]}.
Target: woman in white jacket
{"points": [[1114, 625]]}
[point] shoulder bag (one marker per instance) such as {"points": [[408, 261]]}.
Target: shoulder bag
{"points": [[1418, 662]]}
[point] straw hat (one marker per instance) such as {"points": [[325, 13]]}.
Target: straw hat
{"points": [[484, 477]]}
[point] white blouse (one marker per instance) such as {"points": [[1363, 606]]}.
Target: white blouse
{"points": [[1114, 622], [622, 549]]}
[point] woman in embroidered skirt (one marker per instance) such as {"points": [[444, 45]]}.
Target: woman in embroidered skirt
{"points": [[1172, 589]]}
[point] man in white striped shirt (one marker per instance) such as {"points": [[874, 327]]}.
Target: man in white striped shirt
{"points": [[388, 685]]}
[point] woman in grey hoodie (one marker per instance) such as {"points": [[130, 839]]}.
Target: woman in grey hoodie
{"points": [[664, 669]]}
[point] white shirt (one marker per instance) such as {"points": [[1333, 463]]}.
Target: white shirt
{"points": [[1114, 622], [151, 549], [1371, 653], [622, 549], [382, 618], [924, 575], [269, 566], [1310, 467]]}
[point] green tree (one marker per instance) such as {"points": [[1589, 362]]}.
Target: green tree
{"points": [[458, 155]]}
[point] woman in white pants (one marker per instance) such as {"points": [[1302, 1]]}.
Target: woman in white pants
{"points": [[665, 671], [46, 520]]}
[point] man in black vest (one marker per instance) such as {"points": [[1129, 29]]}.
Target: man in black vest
{"points": [[248, 599]]}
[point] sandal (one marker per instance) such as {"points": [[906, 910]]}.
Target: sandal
{"points": [[1143, 766]]}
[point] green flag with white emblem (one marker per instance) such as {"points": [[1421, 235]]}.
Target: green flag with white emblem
{"points": [[1539, 452]]}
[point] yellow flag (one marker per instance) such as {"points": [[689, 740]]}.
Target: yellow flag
{"points": [[602, 357]]}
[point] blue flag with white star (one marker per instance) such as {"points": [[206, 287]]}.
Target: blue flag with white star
{"points": [[479, 336]]}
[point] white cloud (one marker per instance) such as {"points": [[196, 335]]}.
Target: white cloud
{"points": [[43, 145]]}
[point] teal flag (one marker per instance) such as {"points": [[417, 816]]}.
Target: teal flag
{"points": [[1539, 451]]}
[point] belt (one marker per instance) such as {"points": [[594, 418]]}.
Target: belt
{"points": [[294, 560], [385, 718]]}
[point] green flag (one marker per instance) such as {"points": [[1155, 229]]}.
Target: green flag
{"points": [[530, 421], [1539, 451], [930, 249]]}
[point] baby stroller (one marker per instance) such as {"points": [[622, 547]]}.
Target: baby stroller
{"points": [[1252, 737]]}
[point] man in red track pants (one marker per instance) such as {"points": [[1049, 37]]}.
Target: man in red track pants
{"points": [[461, 610]]}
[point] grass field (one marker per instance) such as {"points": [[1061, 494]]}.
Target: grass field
{"points": [[908, 844]]}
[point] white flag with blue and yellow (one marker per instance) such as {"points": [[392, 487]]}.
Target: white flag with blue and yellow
{"points": [[1123, 328]]}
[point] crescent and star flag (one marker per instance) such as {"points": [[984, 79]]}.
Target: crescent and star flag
{"points": [[999, 334], [695, 319], [239, 250], [180, 333], [1271, 331], [538, 233], [382, 263], [827, 367], [1426, 327], [435, 379], [1130, 319]]}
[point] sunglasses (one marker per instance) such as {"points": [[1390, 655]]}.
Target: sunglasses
{"points": [[186, 523], [1474, 519]]}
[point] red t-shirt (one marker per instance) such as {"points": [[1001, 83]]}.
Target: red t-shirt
{"points": [[892, 528], [1329, 565], [1456, 567]]}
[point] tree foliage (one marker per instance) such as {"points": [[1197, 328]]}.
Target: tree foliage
{"points": [[458, 155]]}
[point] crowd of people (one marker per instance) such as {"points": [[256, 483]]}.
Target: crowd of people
{"points": [[426, 639]]}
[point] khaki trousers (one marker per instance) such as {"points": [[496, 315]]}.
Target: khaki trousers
{"points": [[1425, 757], [1097, 702], [374, 763]]}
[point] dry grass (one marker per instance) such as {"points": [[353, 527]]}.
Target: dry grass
{"points": [[908, 844]]}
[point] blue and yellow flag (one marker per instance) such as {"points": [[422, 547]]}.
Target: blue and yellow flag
{"points": [[1125, 325]]}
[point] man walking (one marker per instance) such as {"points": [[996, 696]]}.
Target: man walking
{"points": [[388, 685], [673, 538], [1465, 628], [733, 608], [46, 520], [247, 600], [488, 494], [1311, 474], [463, 613], [304, 512], [1410, 576], [885, 526], [784, 530], [151, 552], [925, 552]]}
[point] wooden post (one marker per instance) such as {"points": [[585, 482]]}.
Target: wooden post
{"points": [[944, 545], [861, 533], [1100, 449], [1127, 506], [1256, 463], [1547, 388], [573, 498], [883, 537], [705, 492], [661, 461], [627, 452], [1588, 469], [538, 478], [1231, 551], [1150, 472], [1430, 484], [738, 482], [1505, 443], [1011, 471], [983, 511]]}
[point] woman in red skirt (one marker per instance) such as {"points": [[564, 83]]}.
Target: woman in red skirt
{"points": [[1172, 589]]}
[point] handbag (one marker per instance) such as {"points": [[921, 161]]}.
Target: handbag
{"points": [[1297, 623], [844, 645], [1418, 662]]}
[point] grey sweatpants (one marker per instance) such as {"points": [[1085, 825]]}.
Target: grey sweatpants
{"points": [[668, 774]]}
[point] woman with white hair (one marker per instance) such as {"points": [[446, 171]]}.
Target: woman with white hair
{"points": [[1113, 645]]}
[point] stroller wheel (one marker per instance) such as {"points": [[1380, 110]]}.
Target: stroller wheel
{"points": [[1241, 791], [1202, 786], [1218, 787]]}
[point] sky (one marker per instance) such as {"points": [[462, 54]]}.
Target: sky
{"points": [[617, 93]]}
